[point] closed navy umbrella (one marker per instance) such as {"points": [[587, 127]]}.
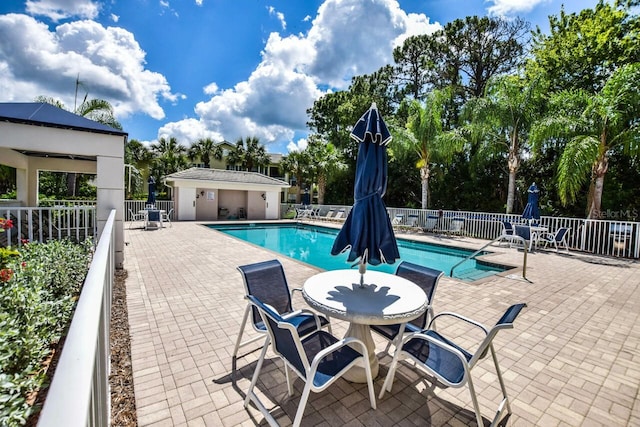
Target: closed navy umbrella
{"points": [[151, 198], [531, 211], [367, 232]]}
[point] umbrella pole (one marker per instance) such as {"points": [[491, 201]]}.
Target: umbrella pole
{"points": [[362, 268]]}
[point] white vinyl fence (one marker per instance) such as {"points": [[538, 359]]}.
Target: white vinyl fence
{"points": [[79, 392], [601, 237]]}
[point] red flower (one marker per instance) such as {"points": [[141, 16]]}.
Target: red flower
{"points": [[24, 241], [6, 274], [24, 264], [6, 224]]}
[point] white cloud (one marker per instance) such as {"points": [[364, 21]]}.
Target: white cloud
{"points": [[297, 146], [115, 18], [61, 9], [513, 7], [273, 12], [108, 61], [347, 38]]}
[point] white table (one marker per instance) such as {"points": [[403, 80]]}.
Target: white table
{"points": [[536, 232], [386, 299]]}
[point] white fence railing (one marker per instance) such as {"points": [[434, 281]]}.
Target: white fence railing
{"points": [[601, 237], [79, 392], [48, 223]]}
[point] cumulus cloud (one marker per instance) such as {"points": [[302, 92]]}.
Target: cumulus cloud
{"points": [[271, 104], [108, 61], [513, 7], [61, 9], [297, 146]]}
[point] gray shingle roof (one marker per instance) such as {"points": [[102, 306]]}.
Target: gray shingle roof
{"points": [[221, 175], [43, 114]]}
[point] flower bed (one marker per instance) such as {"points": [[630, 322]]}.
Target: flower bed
{"points": [[39, 288]]}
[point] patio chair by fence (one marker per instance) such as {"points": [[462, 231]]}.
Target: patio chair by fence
{"points": [[166, 217], [267, 281], [450, 364], [557, 239], [412, 220], [430, 225], [319, 359], [425, 277], [329, 214], [398, 219], [133, 217], [339, 215], [456, 226]]}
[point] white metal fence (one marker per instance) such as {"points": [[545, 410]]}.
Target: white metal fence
{"points": [[48, 223], [602, 237], [79, 392]]}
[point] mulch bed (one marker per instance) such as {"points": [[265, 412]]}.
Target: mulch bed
{"points": [[123, 402]]}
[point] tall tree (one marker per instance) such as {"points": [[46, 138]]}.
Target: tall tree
{"points": [[429, 138], [500, 122], [323, 159], [249, 154], [203, 149], [297, 164], [170, 157], [583, 49], [593, 127]]}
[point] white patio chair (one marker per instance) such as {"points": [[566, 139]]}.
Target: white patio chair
{"points": [[133, 217], [166, 217]]}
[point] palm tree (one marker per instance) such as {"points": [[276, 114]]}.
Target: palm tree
{"points": [[249, 154], [138, 156], [593, 126], [204, 149], [297, 163], [323, 158], [170, 157], [500, 122], [429, 138]]}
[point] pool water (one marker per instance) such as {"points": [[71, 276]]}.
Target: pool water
{"points": [[312, 245]]}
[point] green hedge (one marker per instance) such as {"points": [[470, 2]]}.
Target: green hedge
{"points": [[36, 305]]}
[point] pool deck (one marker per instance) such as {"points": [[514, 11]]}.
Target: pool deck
{"points": [[572, 359]]}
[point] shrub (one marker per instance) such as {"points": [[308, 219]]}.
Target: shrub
{"points": [[36, 306]]}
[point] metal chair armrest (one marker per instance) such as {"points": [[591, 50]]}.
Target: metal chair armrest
{"points": [[460, 317]]}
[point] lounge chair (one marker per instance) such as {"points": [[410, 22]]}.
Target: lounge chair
{"points": [[318, 359], [412, 220], [267, 281], [558, 239], [398, 219], [456, 226], [425, 277], [507, 233], [133, 217], [339, 215], [448, 363], [432, 222], [329, 214]]}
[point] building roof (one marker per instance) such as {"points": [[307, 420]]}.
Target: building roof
{"points": [[43, 114], [227, 176]]}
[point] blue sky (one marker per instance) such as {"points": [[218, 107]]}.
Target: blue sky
{"points": [[222, 69]]}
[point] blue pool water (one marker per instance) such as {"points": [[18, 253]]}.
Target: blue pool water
{"points": [[312, 245]]}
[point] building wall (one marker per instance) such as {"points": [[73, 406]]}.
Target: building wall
{"points": [[207, 204], [232, 200]]}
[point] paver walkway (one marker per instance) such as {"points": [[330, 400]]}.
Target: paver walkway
{"points": [[572, 359]]}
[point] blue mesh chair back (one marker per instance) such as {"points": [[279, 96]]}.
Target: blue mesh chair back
{"points": [[153, 215], [284, 341], [508, 227], [425, 277], [560, 234], [523, 231], [267, 282]]}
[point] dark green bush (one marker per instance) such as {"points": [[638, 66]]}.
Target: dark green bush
{"points": [[36, 306]]}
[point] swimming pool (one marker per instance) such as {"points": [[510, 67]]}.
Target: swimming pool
{"points": [[312, 244]]}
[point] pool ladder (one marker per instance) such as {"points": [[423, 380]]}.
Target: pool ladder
{"points": [[510, 238]]}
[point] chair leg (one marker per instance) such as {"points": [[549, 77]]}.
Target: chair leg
{"points": [[502, 386], [244, 323], [303, 403], [474, 399], [388, 381], [367, 368], [256, 373], [288, 377]]}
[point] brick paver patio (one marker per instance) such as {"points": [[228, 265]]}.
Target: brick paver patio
{"points": [[572, 359]]}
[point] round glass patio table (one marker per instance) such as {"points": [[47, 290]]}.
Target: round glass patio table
{"points": [[385, 299]]}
